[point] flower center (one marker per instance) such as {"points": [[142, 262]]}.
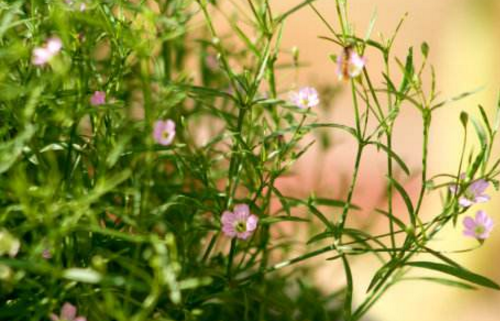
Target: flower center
{"points": [[240, 227], [478, 230], [468, 194], [165, 134]]}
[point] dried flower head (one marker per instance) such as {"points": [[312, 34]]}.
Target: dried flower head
{"points": [[239, 223], [349, 64]]}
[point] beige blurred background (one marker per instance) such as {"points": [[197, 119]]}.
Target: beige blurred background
{"points": [[464, 36]]}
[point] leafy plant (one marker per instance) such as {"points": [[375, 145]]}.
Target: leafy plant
{"points": [[141, 148]]}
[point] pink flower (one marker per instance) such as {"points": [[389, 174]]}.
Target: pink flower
{"points": [[68, 313], [46, 254], [164, 132], [349, 64], [240, 223], [306, 97], [71, 4], [480, 227], [473, 194], [42, 55], [98, 98]]}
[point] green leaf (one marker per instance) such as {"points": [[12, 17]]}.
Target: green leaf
{"points": [[392, 218], [321, 217], [408, 72], [11, 150], [481, 133], [282, 218], [82, 275], [333, 203], [458, 272], [406, 199], [382, 274], [486, 121], [457, 284], [320, 236], [456, 98], [393, 155], [349, 289]]}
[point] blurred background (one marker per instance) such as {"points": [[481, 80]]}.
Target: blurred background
{"points": [[464, 37]]}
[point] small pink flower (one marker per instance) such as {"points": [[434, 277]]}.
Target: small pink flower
{"points": [[46, 254], [306, 97], [349, 64], [72, 3], [473, 194], [68, 313], [480, 227], [42, 55], [98, 98], [164, 132], [239, 223]]}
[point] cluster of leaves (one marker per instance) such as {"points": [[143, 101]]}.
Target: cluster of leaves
{"points": [[126, 229]]}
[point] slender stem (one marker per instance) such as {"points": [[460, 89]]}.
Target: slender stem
{"points": [[230, 259]]}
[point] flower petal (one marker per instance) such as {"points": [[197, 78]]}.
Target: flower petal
{"points": [[481, 217], [252, 222], [228, 218], [469, 223], [54, 45], [244, 235], [54, 317], [482, 198], [241, 211], [229, 231], [68, 312], [469, 233], [464, 202], [479, 186]]}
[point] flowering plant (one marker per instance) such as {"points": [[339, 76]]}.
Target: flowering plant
{"points": [[139, 187]]}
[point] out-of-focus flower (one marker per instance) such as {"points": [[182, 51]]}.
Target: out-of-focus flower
{"points": [[98, 98], [239, 223], [349, 64], [306, 97], [212, 62], [72, 3], [5, 272], [8, 244], [68, 313], [479, 227], [42, 55], [473, 194], [164, 132], [46, 254]]}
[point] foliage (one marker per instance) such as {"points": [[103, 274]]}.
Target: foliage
{"points": [[126, 227]]}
